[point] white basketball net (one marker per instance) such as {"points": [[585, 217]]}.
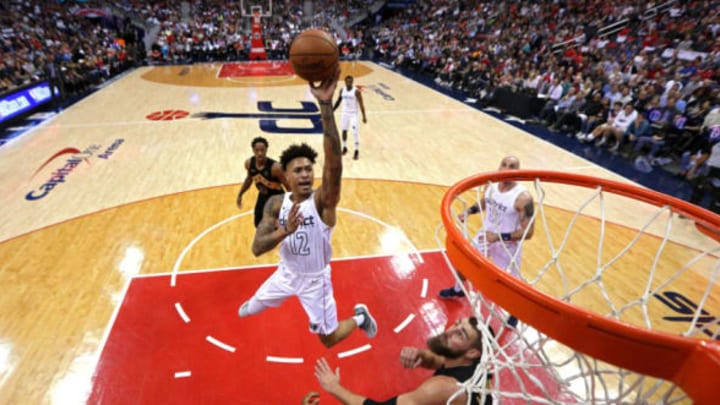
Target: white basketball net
{"points": [[529, 367]]}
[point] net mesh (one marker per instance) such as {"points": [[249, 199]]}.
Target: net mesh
{"points": [[526, 365]]}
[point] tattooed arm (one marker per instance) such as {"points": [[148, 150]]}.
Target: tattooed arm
{"points": [[328, 195], [526, 207], [268, 233]]}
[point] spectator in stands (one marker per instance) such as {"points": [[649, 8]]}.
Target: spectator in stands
{"points": [[553, 94], [613, 94], [597, 128], [704, 170], [640, 128], [567, 103], [612, 134]]}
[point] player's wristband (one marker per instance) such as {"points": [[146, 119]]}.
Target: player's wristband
{"points": [[325, 102], [506, 236]]}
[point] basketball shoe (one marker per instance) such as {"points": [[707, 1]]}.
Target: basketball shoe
{"points": [[356, 156], [448, 293], [369, 325], [344, 150]]}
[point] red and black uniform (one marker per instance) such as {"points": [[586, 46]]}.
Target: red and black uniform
{"points": [[266, 183]]}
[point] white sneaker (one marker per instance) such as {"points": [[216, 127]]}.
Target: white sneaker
{"points": [[369, 325], [580, 136]]}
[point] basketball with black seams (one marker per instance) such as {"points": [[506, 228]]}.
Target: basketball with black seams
{"points": [[314, 55]]}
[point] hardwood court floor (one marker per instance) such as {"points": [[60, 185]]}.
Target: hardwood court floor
{"points": [[101, 194]]}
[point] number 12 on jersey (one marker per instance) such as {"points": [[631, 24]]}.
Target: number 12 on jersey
{"points": [[299, 245]]}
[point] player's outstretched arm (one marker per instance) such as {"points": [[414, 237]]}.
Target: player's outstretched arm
{"points": [[328, 195], [269, 232]]}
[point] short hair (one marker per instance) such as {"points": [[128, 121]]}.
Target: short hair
{"points": [[259, 139], [295, 151], [349, 77]]}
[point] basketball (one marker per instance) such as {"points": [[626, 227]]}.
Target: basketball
{"points": [[314, 55]]}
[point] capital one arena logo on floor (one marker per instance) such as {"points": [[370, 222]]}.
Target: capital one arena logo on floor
{"points": [[71, 158]]}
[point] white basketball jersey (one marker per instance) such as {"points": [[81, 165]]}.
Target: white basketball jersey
{"points": [[501, 215], [307, 250], [349, 100]]}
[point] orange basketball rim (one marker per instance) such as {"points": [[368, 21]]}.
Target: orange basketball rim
{"points": [[691, 363]]}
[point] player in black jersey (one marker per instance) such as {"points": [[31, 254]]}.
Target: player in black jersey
{"points": [[454, 355], [266, 173]]}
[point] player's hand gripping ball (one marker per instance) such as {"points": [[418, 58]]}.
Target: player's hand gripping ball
{"points": [[314, 55]]}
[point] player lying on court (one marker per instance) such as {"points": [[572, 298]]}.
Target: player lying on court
{"points": [[454, 355], [301, 222]]}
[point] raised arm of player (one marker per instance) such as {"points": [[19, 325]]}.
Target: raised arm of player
{"points": [[246, 184], [328, 195]]}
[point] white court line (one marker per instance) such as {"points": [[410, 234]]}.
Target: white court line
{"points": [[263, 266], [423, 293], [113, 318], [354, 351], [183, 374], [202, 234], [191, 118], [173, 277], [404, 323], [415, 251], [289, 360], [181, 312], [123, 123], [220, 344]]}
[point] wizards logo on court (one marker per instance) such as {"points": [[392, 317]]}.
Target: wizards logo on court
{"points": [[74, 158], [302, 120], [305, 120]]}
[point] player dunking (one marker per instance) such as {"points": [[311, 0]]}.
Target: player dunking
{"points": [[351, 98], [266, 173], [509, 211], [301, 222]]}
